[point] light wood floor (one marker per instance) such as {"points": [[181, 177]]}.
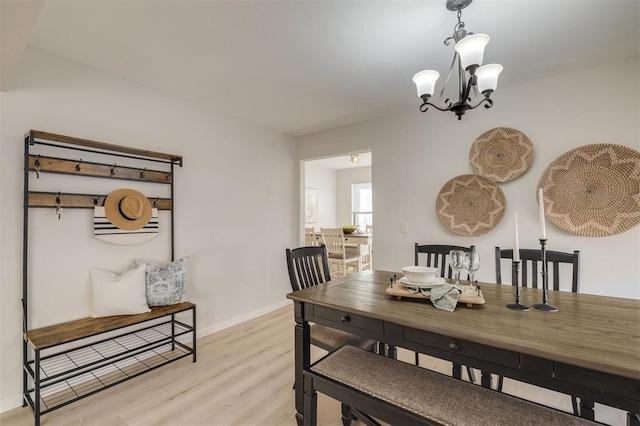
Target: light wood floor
{"points": [[244, 376]]}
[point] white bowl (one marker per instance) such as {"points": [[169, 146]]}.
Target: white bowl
{"points": [[420, 274]]}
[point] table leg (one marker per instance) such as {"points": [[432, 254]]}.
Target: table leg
{"points": [[310, 417], [586, 409], [486, 379], [457, 371], [633, 419], [392, 351], [302, 358]]}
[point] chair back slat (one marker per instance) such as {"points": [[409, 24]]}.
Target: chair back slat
{"points": [[333, 238], [437, 256], [532, 259], [307, 266]]}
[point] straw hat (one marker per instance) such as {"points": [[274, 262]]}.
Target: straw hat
{"points": [[127, 209]]}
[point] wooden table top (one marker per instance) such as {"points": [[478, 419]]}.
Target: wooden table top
{"points": [[594, 332]]}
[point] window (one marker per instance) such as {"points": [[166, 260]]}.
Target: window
{"points": [[362, 205]]}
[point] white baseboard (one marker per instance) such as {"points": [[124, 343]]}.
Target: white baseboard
{"points": [[15, 401], [10, 403], [243, 318]]}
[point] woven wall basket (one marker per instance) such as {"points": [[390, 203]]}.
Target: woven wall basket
{"points": [[593, 190], [501, 154], [470, 205]]}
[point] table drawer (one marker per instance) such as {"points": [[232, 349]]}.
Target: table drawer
{"points": [[351, 320], [463, 347]]}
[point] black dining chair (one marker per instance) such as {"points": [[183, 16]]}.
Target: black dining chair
{"points": [[531, 260], [530, 272], [308, 266], [437, 256]]}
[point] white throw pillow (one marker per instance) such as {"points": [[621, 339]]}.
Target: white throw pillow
{"points": [[166, 285], [115, 294]]}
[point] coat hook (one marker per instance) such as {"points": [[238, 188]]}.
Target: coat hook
{"points": [[113, 170], [155, 202], [168, 176], [142, 173], [96, 201], [37, 167], [78, 165], [58, 207]]}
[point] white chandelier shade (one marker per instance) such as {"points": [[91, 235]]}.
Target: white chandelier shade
{"points": [[471, 50], [426, 82], [487, 76], [476, 83]]}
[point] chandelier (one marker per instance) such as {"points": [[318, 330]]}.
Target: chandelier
{"points": [[473, 77]]}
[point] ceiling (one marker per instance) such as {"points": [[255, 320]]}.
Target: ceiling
{"points": [[304, 66]]}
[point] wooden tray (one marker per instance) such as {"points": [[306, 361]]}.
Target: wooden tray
{"points": [[400, 291]]}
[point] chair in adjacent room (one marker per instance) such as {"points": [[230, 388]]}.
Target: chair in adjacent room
{"points": [[437, 256], [530, 276], [369, 255], [338, 254], [310, 237]]}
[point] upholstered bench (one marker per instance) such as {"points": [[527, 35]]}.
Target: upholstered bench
{"points": [[400, 393]]}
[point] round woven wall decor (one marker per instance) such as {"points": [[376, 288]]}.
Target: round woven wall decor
{"points": [[593, 190], [501, 154], [470, 205]]}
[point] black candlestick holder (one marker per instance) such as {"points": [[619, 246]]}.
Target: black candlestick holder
{"points": [[544, 306], [515, 273]]}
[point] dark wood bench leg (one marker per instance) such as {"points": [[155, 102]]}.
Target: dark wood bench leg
{"points": [[633, 419]]}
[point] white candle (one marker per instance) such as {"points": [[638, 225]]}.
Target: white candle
{"points": [[516, 246], [543, 230]]}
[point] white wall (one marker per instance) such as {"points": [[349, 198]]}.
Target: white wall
{"points": [[238, 181], [416, 154], [344, 179], [324, 180]]}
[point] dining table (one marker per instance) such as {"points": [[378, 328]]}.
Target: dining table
{"points": [[589, 348], [354, 239]]}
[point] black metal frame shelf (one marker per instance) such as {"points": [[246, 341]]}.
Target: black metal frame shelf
{"points": [[69, 375], [67, 362]]}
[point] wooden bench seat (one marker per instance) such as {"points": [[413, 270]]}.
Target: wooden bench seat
{"points": [[400, 393], [59, 334]]}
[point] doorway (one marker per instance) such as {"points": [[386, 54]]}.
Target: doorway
{"points": [[339, 192]]}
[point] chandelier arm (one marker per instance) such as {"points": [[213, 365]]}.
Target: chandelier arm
{"points": [[444, 86], [426, 105], [463, 87], [465, 90], [487, 101]]}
